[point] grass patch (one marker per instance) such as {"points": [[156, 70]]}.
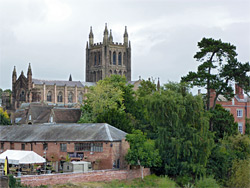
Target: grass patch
{"points": [[149, 181]]}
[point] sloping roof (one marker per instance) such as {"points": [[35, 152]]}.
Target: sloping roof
{"points": [[69, 115], [61, 132], [58, 82], [21, 157], [40, 114]]}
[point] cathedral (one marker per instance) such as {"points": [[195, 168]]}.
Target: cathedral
{"points": [[102, 59]]}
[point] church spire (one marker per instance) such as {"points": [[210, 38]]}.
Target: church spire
{"points": [[106, 33], [14, 75], [125, 37], [29, 70], [110, 37], [70, 77], [91, 37]]}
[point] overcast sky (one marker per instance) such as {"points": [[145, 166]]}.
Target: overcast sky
{"points": [[52, 34]]}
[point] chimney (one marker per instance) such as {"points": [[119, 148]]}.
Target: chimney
{"points": [[239, 91]]}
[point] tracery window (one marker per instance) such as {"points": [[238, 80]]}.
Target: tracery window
{"points": [[70, 97], [22, 96], [114, 58], [59, 97], [49, 96], [120, 58], [80, 97]]}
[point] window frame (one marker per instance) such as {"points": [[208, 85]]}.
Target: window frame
{"points": [[63, 147], [239, 113], [240, 127]]}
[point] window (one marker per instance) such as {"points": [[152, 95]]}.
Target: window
{"points": [[82, 147], [23, 146], [2, 145], [95, 59], [99, 58], [59, 97], [29, 117], [240, 127], [45, 146], [240, 113], [114, 58], [49, 96], [70, 97], [63, 147], [97, 147], [80, 97], [22, 96], [120, 58]]}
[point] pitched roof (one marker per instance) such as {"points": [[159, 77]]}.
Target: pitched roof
{"points": [[58, 82], [61, 132], [69, 115]]}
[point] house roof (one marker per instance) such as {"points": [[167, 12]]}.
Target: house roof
{"points": [[69, 115], [40, 113], [61, 132]]}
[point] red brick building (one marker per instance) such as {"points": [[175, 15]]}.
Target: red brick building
{"points": [[101, 144], [239, 106]]}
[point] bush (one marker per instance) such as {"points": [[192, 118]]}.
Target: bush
{"points": [[207, 183]]}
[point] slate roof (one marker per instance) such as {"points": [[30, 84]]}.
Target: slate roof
{"points": [[58, 82], [69, 115], [61, 132]]}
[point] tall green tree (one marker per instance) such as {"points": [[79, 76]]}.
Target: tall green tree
{"points": [[184, 141], [219, 67], [110, 101], [142, 151], [223, 123]]}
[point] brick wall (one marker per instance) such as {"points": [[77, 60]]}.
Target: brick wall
{"points": [[112, 151], [101, 175]]}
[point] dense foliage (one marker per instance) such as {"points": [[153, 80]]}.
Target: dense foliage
{"points": [[176, 133]]}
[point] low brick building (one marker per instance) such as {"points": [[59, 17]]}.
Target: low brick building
{"points": [[101, 144], [239, 106]]}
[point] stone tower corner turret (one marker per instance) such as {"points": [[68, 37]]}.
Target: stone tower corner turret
{"points": [[91, 37]]}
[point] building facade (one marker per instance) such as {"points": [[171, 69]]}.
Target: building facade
{"points": [[28, 89], [106, 58], [238, 106], [101, 144]]}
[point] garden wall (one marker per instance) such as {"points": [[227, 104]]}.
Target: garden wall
{"points": [[100, 175]]}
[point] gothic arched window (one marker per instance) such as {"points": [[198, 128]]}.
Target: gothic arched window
{"points": [[110, 57], [120, 58], [22, 96], [49, 96], [95, 59], [80, 97], [99, 58], [114, 58], [59, 97], [70, 97]]}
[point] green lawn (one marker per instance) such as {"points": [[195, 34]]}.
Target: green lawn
{"points": [[149, 181]]}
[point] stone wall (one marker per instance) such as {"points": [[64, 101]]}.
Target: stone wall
{"points": [[100, 175]]}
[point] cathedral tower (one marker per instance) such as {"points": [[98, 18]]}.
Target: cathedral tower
{"points": [[106, 58]]}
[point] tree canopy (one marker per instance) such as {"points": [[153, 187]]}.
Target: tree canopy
{"points": [[218, 69], [4, 117]]}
